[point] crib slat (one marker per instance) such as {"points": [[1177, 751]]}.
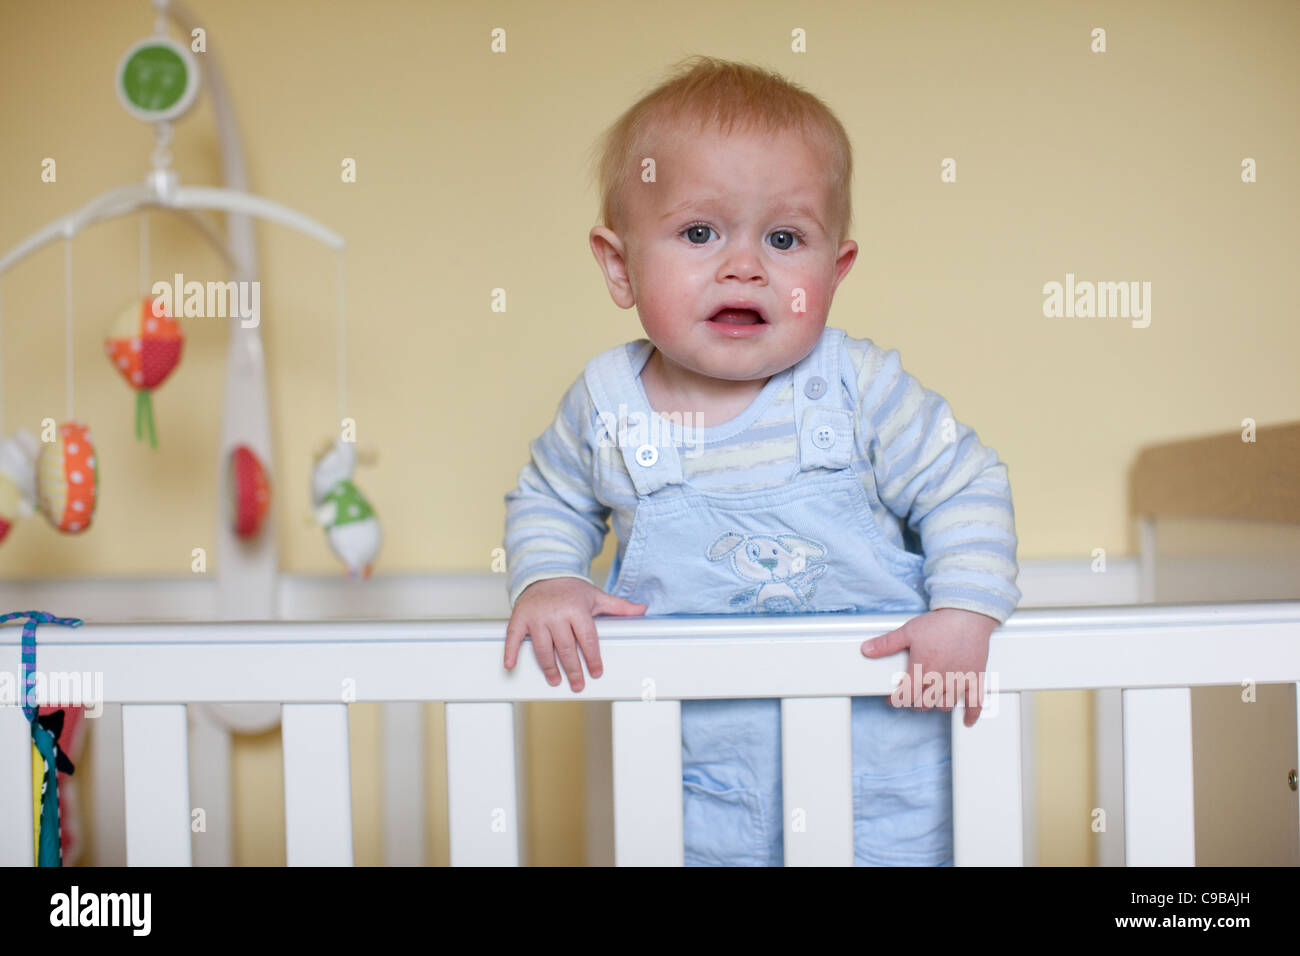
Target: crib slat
{"points": [[987, 802], [647, 782], [317, 785], [817, 781], [1159, 826], [156, 775], [521, 776], [17, 825], [482, 789]]}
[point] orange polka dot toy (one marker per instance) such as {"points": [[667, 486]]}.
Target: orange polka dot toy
{"points": [[145, 345], [67, 479]]}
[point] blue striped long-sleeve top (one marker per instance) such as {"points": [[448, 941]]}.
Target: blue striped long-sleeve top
{"points": [[934, 480]]}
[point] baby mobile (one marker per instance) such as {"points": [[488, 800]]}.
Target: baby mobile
{"points": [[157, 80]]}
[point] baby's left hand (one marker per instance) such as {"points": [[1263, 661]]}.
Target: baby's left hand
{"points": [[944, 641]]}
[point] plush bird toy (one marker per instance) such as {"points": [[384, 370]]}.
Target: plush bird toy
{"points": [[145, 345], [17, 479], [349, 521]]}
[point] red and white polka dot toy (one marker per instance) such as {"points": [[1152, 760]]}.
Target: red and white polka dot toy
{"points": [[67, 479], [145, 345]]}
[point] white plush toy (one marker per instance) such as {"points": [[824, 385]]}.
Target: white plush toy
{"points": [[349, 521], [17, 478]]}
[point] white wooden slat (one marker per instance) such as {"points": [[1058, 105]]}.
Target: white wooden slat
{"points": [[17, 793], [988, 819], [1159, 825], [108, 784], [482, 793], [317, 785], [1029, 775], [647, 750], [521, 780], [1108, 772], [817, 781], [155, 766], [405, 802]]}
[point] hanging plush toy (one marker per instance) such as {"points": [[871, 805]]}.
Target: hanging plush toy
{"points": [[69, 739], [145, 345], [67, 479], [349, 521], [17, 479], [50, 768], [249, 491]]}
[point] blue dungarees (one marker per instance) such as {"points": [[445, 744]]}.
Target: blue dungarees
{"points": [[810, 545]]}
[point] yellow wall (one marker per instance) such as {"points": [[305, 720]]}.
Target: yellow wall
{"points": [[1116, 166]]}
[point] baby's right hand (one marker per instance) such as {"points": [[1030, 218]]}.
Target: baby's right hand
{"points": [[557, 613]]}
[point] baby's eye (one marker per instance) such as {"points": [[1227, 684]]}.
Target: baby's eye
{"points": [[786, 238], [697, 230]]}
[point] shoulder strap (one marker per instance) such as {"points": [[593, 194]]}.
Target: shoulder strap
{"points": [[626, 419], [823, 412]]}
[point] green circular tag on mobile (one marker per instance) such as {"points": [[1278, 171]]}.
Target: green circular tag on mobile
{"points": [[157, 79]]}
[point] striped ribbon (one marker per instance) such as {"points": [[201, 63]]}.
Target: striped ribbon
{"points": [[34, 618]]}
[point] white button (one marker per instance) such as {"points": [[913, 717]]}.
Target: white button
{"points": [[647, 455], [823, 436], [815, 387]]}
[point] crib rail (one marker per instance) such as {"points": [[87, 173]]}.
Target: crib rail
{"points": [[1154, 652]]}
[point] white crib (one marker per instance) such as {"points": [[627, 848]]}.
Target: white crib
{"points": [[154, 669], [1149, 657]]}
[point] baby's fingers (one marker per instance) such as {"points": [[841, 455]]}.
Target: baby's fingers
{"points": [[545, 653], [974, 691], [566, 649], [589, 641], [516, 630]]}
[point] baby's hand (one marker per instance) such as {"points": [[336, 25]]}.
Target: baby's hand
{"points": [[944, 641], [557, 613]]}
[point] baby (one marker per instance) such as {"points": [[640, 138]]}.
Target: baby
{"points": [[785, 467]]}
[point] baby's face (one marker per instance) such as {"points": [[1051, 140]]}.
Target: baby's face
{"points": [[736, 219]]}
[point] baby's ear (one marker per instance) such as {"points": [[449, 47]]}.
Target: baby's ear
{"points": [[811, 548], [724, 544]]}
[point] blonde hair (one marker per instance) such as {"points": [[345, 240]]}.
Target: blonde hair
{"points": [[702, 91]]}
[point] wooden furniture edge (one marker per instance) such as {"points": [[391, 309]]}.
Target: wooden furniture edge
{"points": [[1221, 476]]}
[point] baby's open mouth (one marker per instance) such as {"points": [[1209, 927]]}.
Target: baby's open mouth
{"points": [[737, 317]]}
